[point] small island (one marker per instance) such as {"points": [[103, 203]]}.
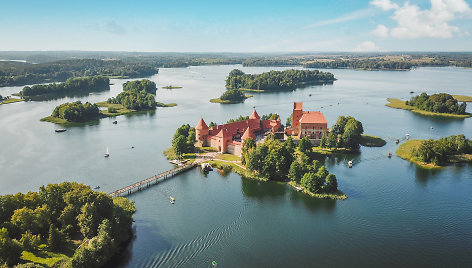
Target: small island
{"points": [[71, 86], [442, 104], [63, 225], [137, 96], [231, 96], [73, 113], [437, 153], [277, 80], [171, 87]]}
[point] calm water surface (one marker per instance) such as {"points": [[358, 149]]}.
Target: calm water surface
{"points": [[396, 214]]}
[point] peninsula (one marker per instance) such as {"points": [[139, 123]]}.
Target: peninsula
{"points": [[442, 104], [437, 153]]}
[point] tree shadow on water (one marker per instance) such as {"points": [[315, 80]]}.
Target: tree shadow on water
{"points": [[262, 189]]}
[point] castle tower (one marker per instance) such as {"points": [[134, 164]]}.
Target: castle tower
{"points": [[248, 134], [254, 115], [201, 132], [296, 116]]}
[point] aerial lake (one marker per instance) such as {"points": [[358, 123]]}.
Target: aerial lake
{"points": [[396, 214]]}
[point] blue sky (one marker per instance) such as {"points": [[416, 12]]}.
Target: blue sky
{"points": [[237, 26]]}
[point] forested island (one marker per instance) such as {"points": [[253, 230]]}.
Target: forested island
{"points": [[63, 225], [135, 97], [277, 80], [74, 112], [441, 104], [18, 74], [436, 153], [231, 96], [72, 85]]}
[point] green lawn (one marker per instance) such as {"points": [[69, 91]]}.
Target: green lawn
{"points": [[462, 98], [63, 122], [237, 169], [205, 149], [120, 109], [372, 141], [228, 157], [399, 104]]}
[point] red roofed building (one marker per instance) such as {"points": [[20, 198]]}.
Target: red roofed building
{"points": [[228, 138], [311, 123]]}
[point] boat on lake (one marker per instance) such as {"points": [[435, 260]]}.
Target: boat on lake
{"points": [[299, 188], [96, 187], [172, 199], [349, 163], [60, 130], [107, 154]]}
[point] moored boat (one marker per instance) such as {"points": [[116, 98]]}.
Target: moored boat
{"points": [[60, 130]]}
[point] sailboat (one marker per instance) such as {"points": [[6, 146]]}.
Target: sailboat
{"points": [[107, 154]]}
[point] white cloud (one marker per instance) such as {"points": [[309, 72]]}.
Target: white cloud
{"points": [[367, 46], [380, 31], [359, 14], [413, 22], [384, 4]]}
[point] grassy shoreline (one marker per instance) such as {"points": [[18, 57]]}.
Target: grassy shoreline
{"points": [[171, 87], [11, 100], [462, 98], [218, 100], [399, 104], [338, 195]]}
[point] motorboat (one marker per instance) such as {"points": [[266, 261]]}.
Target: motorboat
{"points": [[107, 154], [349, 163], [60, 130]]}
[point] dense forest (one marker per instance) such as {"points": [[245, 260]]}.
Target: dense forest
{"points": [[57, 219], [137, 95], [282, 160], [72, 85], [346, 133], [369, 64], [140, 85], [76, 111], [440, 151], [276, 80], [438, 103], [17, 74]]}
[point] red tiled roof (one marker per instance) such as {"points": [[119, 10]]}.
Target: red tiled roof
{"points": [[223, 133], [201, 125], [248, 134], [313, 117], [254, 115], [298, 106]]}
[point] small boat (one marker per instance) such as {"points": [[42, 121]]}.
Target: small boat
{"points": [[299, 188], [407, 136], [96, 187], [60, 130], [107, 154], [115, 122], [309, 95], [397, 141], [172, 201], [431, 127], [389, 155], [206, 167], [349, 163], [132, 147], [411, 92]]}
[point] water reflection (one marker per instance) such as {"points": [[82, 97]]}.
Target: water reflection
{"points": [[313, 204], [423, 175], [261, 189]]}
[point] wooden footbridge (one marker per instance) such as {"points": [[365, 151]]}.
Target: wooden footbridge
{"points": [[140, 185]]}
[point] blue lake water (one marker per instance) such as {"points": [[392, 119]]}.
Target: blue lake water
{"points": [[396, 214]]}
